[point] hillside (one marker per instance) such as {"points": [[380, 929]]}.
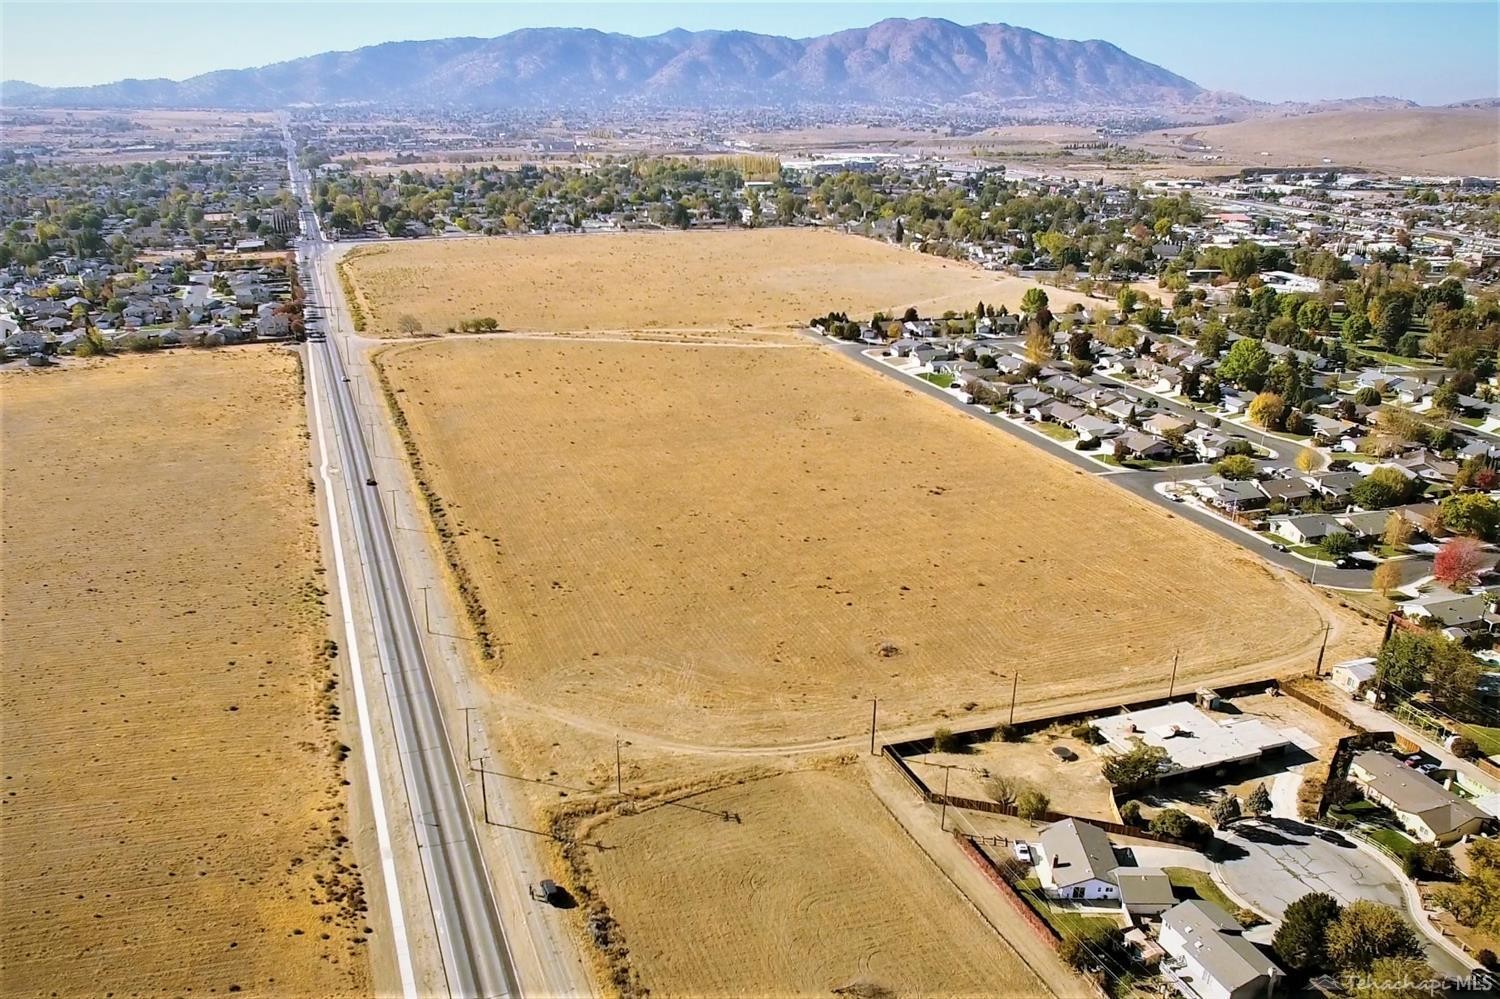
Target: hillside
{"points": [[1397, 140], [896, 60]]}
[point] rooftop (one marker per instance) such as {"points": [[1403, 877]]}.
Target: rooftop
{"points": [[1192, 738]]}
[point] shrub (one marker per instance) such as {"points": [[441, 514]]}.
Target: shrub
{"points": [[1300, 939], [944, 741], [1486, 958], [1465, 748], [1180, 825], [1225, 810], [1130, 813], [1088, 733], [1007, 733], [1032, 804]]}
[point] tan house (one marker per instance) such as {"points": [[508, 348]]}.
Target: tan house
{"points": [[1426, 809]]}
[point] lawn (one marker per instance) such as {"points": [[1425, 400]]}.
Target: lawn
{"points": [[1188, 884], [1057, 432], [1393, 840], [1487, 738], [939, 378], [1065, 922]]}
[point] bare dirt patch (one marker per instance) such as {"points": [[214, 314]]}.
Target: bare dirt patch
{"points": [[717, 545], [172, 820], [662, 280], [814, 889], [1075, 786]]}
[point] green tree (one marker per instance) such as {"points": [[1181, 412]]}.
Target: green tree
{"points": [[1259, 801], [1473, 514], [1357, 328], [1301, 939], [1180, 825], [1367, 931], [1313, 316], [1235, 466], [1475, 901], [1367, 396], [1225, 810], [1383, 487], [1245, 364], [1126, 298], [1034, 301], [1338, 543], [1394, 978], [1134, 767], [1401, 665]]}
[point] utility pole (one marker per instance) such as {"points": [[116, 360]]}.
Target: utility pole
{"points": [[468, 750], [619, 784], [1015, 681], [1318, 669], [484, 788], [873, 703], [426, 615], [1172, 685], [943, 818]]}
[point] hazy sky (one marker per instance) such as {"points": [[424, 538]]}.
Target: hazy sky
{"points": [[1434, 51]]}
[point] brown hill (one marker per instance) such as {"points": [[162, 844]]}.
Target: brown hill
{"points": [[1398, 140]]}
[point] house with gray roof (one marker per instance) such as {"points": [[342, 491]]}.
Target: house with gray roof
{"points": [[1208, 956], [1426, 809], [1075, 861]]}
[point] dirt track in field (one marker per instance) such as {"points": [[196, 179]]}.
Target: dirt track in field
{"points": [[172, 817]]}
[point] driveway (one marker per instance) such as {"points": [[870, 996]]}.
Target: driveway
{"points": [[1271, 863]]}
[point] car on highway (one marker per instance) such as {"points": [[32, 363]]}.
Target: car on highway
{"points": [[369, 480]]}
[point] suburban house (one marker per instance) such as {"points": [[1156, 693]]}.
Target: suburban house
{"points": [[1354, 676], [1464, 611], [1076, 861], [1144, 891], [1231, 494], [1208, 956], [1306, 529], [1426, 809]]}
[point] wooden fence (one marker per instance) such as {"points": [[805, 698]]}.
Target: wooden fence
{"points": [[997, 808], [1007, 890]]}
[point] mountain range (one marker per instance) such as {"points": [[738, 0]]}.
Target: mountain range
{"points": [[896, 61]]}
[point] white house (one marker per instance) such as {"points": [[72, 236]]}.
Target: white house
{"points": [[1354, 676], [1209, 958], [1075, 861]]}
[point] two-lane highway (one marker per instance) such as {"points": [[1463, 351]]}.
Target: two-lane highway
{"points": [[475, 954]]}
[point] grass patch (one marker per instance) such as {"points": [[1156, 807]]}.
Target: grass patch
{"points": [[1393, 840], [1057, 432], [1487, 738], [939, 378], [1065, 921]]}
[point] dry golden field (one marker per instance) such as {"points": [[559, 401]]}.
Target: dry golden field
{"points": [[740, 545], [758, 278], [1404, 140], [172, 820], [814, 889]]}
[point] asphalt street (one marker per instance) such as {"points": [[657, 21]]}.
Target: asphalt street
{"points": [[476, 957]]}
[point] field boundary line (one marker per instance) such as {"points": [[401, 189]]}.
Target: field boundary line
{"points": [[366, 738]]}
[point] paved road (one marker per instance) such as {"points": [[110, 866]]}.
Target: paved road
{"points": [[1277, 861], [1142, 482], [476, 956]]}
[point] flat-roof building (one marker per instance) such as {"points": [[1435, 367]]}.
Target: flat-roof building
{"points": [[1193, 739]]}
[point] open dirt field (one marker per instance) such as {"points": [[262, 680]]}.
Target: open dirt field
{"points": [[815, 888], [663, 280], [170, 788], [1406, 140], [740, 545]]}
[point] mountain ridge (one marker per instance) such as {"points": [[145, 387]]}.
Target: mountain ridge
{"points": [[922, 60]]}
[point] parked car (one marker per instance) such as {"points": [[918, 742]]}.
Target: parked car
{"points": [[1022, 851]]}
